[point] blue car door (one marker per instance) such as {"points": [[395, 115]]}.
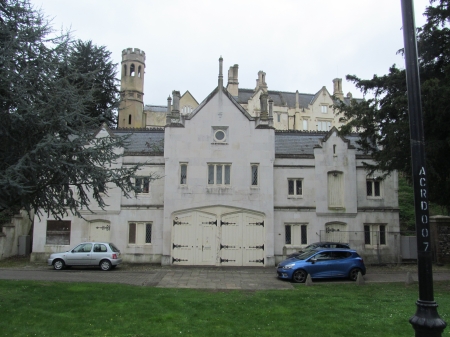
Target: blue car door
{"points": [[321, 265], [342, 264]]}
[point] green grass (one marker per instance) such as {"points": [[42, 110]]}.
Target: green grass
{"points": [[32, 308]]}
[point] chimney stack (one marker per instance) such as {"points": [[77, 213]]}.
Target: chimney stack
{"points": [[233, 83]]}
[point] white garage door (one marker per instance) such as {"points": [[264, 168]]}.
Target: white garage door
{"points": [[234, 239]]}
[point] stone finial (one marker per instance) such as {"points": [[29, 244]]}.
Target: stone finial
{"points": [[220, 72], [169, 110]]}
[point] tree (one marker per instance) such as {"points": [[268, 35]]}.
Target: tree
{"points": [[50, 159], [95, 72], [383, 120]]}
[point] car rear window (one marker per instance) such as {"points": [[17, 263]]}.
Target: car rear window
{"points": [[114, 248]]}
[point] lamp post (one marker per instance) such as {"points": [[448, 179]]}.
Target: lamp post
{"points": [[426, 321]]}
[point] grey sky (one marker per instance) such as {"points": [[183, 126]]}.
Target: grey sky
{"points": [[300, 44]]}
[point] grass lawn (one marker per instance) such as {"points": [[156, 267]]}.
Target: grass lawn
{"points": [[33, 308]]}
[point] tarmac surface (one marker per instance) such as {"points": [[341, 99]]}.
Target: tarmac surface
{"points": [[214, 278]]}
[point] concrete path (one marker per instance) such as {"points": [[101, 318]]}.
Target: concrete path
{"points": [[188, 277]]}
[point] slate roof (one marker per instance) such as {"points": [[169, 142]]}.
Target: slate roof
{"points": [[287, 143], [155, 108], [298, 143], [283, 98], [142, 141]]}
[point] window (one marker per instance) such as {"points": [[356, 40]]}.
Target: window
{"points": [[220, 134], [278, 118], [58, 232], [187, 109], [254, 168], [323, 126], [183, 174], [295, 234], [139, 233], [129, 119], [324, 109], [139, 71], [305, 125], [132, 69], [375, 235], [142, 184], [295, 187], [373, 188], [125, 70], [335, 189], [219, 174]]}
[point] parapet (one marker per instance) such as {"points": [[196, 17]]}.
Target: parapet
{"points": [[133, 54]]}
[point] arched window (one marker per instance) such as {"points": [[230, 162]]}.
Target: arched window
{"points": [[139, 71], [129, 119], [132, 69], [124, 70]]}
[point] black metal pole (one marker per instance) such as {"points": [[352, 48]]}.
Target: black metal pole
{"points": [[426, 322]]}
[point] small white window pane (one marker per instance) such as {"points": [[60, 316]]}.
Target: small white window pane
{"points": [[227, 174], [210, 174]]}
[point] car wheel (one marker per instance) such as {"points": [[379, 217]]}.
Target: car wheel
{"points": [[353, 275], [58, 264], [105, 265], [299, 276]]}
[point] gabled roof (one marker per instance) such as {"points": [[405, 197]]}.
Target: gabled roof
{"points": [[187, 93], [280, 98], [227, 94]]}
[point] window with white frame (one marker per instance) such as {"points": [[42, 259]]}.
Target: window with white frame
{"points": [[335, 189], [183, 174], [295, 234], [278, 118], [375, 235], [323, 126], [219, 174], [295, 187], [324, 109], [142, 184], [140, 233], [373, 188], [255, 174], [305, 125]]}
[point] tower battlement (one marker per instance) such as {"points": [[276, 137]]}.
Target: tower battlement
{"points": [[133, 54]]}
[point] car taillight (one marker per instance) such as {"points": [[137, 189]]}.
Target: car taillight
{"points": [[114, 256]]}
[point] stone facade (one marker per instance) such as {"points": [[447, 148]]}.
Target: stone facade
{"points": [[221, 186]]}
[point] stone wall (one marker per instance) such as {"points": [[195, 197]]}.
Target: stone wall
{"points": [[440, 231], [9, 236]]}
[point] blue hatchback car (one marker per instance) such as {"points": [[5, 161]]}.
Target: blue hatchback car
{"points": [[322, 263]]}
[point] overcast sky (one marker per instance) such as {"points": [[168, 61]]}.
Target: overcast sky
{"points": [[300, 44]]}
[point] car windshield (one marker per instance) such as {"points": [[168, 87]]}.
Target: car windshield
{"points": [[305, 255]]}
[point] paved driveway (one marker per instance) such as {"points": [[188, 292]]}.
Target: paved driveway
{"points": [[188, 277]]}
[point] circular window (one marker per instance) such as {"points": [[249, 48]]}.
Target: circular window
{"points": [[219, 136]]}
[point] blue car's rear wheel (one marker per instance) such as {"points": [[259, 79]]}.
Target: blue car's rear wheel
{"points": [[353, 275], [299, 276]]}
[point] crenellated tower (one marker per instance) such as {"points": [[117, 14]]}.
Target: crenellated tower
{"points": [[131, 110]]}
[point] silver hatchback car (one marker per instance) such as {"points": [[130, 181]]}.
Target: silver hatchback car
{"points": [[103, 254]]}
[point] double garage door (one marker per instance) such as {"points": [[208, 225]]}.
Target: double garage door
{"points": [[233, 239]]}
